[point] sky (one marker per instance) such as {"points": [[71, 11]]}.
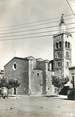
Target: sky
{"points": [[23, 16]]}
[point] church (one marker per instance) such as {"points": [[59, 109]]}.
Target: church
{"points": [[35, 74]]}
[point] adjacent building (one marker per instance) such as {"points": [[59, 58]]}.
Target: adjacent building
{"points": [[72, 75]]}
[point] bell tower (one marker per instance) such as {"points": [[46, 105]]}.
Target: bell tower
{"points": [[62, 50]]}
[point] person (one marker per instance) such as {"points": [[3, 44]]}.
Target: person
{"points": [[4, 92]]}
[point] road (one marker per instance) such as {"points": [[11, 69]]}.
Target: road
{"points": [[25, 106]]}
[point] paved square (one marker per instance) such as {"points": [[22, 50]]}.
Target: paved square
{"points": [[25, 106]]}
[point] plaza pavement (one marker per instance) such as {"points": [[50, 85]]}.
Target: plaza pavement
{"points": [[37, 106]]}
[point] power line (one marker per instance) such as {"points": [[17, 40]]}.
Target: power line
{"points": [[27, 34], [30, 30], [36, 26], [31, 37], [28, 24], [47, 35], [2, 36], [36, 29]]}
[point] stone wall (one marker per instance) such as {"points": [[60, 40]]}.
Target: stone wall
{"points": [[34, 75], [20, 73], [36, 82]]}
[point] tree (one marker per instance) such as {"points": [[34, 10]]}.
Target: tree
{"points": [[13, 83], [3, 82], [9, 83], [59, 83]]}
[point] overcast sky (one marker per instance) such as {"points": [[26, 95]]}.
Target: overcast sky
{"points": [[13, 13]]}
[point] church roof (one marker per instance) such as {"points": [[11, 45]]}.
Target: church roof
{"points": [[30, 58], [46, 61], [39, 59], [14, 58]]}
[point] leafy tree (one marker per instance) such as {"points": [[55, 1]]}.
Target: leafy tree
{"points": [[9, 83], [13, 83], [57, 82], [3, 82]]}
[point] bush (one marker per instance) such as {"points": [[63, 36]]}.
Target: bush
{"points": [[57, 82]]}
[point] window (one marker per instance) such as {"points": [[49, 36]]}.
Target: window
{"points": [[60, 44], [56, 45], [66, 44], [14, 66], [59, 64], [67, 54], [38, 74]]}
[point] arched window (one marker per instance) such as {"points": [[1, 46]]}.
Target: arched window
{"points": [[60, 44], [66, 44], [14, 66], [56, 45]]}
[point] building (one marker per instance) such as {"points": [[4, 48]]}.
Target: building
{"points": [[72, 75], [62, 50], [33, 74]]}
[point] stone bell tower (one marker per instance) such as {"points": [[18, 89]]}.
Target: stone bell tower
{"points": [[62, 50]]}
